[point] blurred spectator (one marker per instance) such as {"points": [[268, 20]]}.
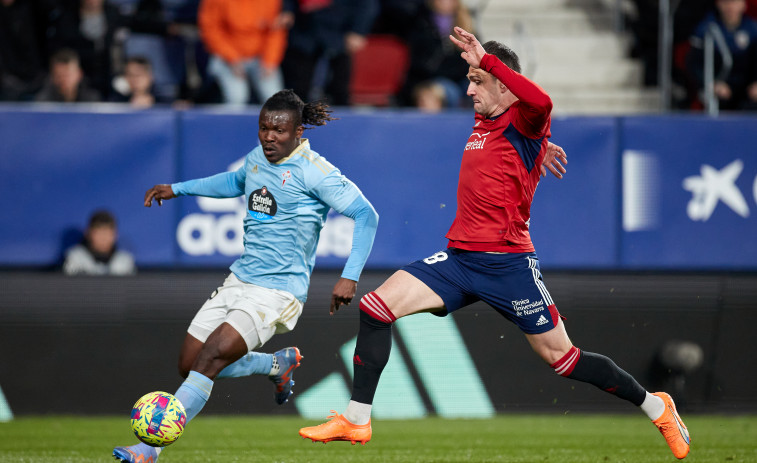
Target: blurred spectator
{"points": [[396, 17], [735, 88], [66, 83], [177, 57], [429, 96], [96, 30], [644, 25], [246, 39], [98, 253], [327, 31], [136, 86], [432, 55], [22, 56]]}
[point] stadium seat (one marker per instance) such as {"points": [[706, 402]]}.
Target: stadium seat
{"points": [[378, 71]]}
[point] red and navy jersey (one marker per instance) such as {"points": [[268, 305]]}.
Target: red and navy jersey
{"points": [[500, 169]]}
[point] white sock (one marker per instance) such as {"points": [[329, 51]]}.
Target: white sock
{"points": [[358, 413], [653, 406]]}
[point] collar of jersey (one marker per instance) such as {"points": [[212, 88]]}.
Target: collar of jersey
{"points": [[485, 119], [304, 145]]}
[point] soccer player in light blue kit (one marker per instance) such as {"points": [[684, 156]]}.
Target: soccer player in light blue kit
{"points": [[289, 189]]}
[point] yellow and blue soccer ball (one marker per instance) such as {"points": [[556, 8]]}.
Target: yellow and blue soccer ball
{"points": [[158, 419]]}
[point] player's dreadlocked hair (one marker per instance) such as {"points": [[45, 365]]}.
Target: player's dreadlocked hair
{"points": [[316, 113], [504, 53]]}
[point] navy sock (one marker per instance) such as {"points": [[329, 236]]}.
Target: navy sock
{"points": [[374, 344], [602, 372]]}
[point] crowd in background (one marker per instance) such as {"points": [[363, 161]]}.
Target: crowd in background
{"points": [[238, 52], [732, 24], [233, 52]]}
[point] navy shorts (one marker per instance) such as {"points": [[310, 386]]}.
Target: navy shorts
{"points": [[510, 283]]}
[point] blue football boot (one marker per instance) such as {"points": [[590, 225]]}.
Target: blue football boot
{"points": [[288, 359], [140, 453]]}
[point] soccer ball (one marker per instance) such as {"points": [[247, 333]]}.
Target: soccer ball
{"points": [[158, 419]]}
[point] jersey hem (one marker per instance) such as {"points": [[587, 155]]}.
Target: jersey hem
{"points": [[490, 247]]}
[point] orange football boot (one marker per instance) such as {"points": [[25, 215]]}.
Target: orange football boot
{"points": [[338, 428], [672, 428]]}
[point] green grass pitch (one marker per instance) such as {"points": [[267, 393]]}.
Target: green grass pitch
{"points": [[506, 438]]}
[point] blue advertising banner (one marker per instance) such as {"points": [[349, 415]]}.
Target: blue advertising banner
{"points": [[574, 220], [57, 167], [407, 165], [667, 192], [689, 192], [209, 231]]}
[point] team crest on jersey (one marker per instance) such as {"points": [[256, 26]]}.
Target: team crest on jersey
{"points": [[261, 205], [255, 169], [285, 176]]}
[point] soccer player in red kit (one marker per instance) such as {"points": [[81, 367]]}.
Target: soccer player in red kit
{"points": [[490, 256]]}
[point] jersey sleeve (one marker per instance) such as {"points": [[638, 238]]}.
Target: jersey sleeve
{"points": [[338, 192], [223, 185], [333, 188], [366, 223], [535, 105]]}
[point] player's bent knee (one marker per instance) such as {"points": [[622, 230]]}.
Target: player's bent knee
{"points": [[374, 306], [566, 364]]}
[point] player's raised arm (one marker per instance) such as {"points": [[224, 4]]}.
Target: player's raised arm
{"points": [[473, 51], [536, 105]]}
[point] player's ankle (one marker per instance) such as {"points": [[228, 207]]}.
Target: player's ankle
{"points": [[653, 406], [358, 413]]}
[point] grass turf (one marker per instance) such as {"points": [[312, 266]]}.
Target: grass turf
{"points": [[506, 438]]}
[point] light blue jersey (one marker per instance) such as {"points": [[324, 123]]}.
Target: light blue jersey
{"points": [[287, 204]]}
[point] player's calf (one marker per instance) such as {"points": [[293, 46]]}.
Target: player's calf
{"points": [[374, 344], [600, 371]]}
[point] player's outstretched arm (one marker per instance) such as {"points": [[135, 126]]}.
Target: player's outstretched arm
{"points": [[473, 51], [158, 193], [344, 291], [554, 160]]}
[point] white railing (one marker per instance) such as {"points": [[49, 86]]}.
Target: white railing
{"points": [[712, 38]]}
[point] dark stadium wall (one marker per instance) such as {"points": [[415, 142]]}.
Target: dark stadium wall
{"points": [[94, 345]]}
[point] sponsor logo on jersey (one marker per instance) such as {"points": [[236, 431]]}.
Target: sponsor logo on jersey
{"points": [[261, 204], [477, 143], [525, 307]]}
